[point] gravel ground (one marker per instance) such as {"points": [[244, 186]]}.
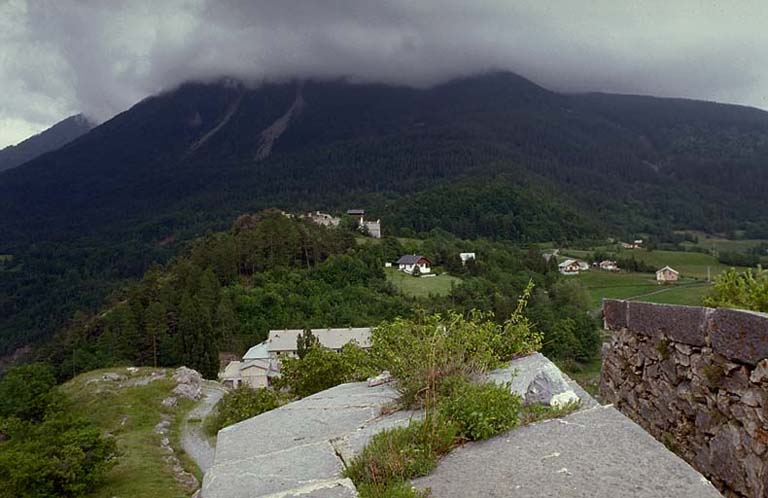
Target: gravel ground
{"points": [[193, 440]]}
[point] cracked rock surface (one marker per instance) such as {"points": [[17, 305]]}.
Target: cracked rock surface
{"points": [[595, 453], [299, 449]]}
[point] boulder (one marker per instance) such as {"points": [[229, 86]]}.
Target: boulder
{"points": [[189, 391], [537, 380], [184, 375]]}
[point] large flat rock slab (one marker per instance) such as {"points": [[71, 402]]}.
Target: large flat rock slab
{"points": [[291, 450], [594, 453]]}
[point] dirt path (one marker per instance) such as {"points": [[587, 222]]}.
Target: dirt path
{"points": [[193, 440]]}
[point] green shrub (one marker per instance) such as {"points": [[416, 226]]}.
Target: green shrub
{"points": [[536, 413], [421, 352], [25, 391], [397, 455], [321, 369], [61, 457], [240, 404], [481, 411], [747, 290]]}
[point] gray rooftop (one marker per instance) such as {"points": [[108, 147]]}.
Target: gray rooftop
{"points": [[285, 340]]}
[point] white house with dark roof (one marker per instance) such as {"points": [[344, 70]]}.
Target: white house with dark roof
{"points": [[410, 262]]}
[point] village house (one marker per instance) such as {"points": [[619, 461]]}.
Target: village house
{"points": [[569, 267], [608, 265], [667, 274], [410, 262], [261, 363], [371, 228], [466, 256], [357, 213]]}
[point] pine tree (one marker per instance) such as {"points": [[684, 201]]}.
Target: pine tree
{"points": [[305, 342], [156, 329]]}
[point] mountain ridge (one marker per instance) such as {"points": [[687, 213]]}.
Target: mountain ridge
{"points": [[55, 137], [492, 156]]}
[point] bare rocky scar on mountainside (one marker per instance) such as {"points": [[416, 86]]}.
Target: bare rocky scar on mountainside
{"points": [[273, 132]]}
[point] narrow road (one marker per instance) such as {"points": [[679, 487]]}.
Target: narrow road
{"points": [[193, 440]]}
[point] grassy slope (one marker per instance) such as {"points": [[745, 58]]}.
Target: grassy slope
{"points": [[422, 286], [641, 287], [130, 414], [710, 242]]}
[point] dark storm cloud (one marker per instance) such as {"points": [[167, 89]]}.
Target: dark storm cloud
{"points": [[63, 56]]}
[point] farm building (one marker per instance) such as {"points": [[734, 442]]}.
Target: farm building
{"points": [[667, 274], [569, 267], [608, 265], [466, 256], [410, 262]]}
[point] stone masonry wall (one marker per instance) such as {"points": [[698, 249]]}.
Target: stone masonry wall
{"points": [[697, 380]]}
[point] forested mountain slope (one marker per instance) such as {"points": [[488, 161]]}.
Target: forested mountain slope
{"points": [[493, 155]]}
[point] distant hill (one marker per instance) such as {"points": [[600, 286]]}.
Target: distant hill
{"points": [[51, 139], [493, 155]]}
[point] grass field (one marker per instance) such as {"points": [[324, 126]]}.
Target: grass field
{"points": [[640, 287], [421, 286], [689, 264], [710, 242], [130, 413]]}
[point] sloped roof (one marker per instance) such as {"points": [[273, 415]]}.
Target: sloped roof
{"points": [[668, 268], [232, 370], [411, 259], [262, 364], [568, 262], [259, 351]]}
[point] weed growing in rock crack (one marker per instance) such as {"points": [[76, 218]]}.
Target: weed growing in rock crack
{"points": [[663, 348]]}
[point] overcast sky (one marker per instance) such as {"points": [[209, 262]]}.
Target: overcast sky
{"points": [[60, 57]]}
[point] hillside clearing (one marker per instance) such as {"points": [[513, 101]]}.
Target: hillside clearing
{"points": [[689, 264], [640, 287], [439, 285]]}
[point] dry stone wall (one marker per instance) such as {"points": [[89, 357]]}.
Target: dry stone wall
{"points": [[697, 379]]}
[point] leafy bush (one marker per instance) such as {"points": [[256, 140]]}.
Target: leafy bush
{"points": [[25, 391], [747, 290], [396, 455], [481, 411], [322, 369], [240, 404], [59, 458], [420, 353]]}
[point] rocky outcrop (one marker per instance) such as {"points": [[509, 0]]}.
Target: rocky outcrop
{"points": [[300, 449], [595, 453], [697, 379], [537, 380], [188, 385]]}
